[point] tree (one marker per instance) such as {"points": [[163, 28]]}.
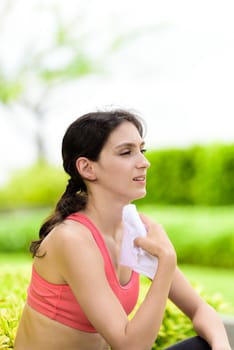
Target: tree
{"points": [[47, 60], [35, 78]]}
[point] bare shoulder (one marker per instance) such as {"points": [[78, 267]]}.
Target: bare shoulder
{"points": [[76, 252], [67, 235], [71, 231], [72, 238], [67, 247]]}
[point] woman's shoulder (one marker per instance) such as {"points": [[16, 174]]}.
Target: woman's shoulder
{"points": [[70, 231], [65, 236], [66, 245]]}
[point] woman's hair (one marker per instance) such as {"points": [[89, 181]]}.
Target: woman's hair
{"points": [[85, 137]]}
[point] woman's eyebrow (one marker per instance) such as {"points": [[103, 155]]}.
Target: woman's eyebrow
{"points": [[130, 144]]}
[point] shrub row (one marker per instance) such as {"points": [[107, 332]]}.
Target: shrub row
{"points": [[201, 175], [37, 186]]}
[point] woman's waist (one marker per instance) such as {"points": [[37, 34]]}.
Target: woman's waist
{"points": [[56, 335]]}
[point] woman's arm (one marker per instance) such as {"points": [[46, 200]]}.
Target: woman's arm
{"points": [[205, 319], [82, 267]]}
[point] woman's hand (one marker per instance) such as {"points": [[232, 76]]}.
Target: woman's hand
{"points": [[156, 242]]}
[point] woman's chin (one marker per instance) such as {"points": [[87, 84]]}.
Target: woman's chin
{"points": [[140, 195]]}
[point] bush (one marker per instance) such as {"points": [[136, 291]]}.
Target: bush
{"points": [[213, 183], [19, 228], [13, 295], [170, 177], [36, 186], [201, 175]]}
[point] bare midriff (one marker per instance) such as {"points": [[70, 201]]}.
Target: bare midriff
{"points": [[39, 332]]}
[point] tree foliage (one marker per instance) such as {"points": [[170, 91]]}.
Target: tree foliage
{"points": [[52, 52], [45, 62]]}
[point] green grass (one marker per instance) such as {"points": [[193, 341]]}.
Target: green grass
{"points": [[15, 263], [210, 230], [214, 281], [193, 223], [201, 235], [14, 277]]}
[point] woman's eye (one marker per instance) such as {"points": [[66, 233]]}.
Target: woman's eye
{"points": [[124, 153], [128, 152]]}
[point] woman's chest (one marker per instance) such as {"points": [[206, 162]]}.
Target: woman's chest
{"points": [[113, 247]]}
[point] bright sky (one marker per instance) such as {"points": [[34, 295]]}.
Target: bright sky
{"points": [[179, 75]]}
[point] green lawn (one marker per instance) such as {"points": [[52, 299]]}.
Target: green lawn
{"points": [[183, 224], [217, 283], [201, 235], [193, 223], [214, 281]]}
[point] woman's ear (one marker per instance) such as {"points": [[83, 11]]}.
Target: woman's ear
{"points": [[85, 168]]}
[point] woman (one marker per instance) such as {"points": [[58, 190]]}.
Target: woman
{"points": [[79, 296]]}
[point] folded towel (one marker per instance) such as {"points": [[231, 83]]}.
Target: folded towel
{"points": [[134, 257]]}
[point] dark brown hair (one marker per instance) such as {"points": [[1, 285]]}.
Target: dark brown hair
{"points": [[85, 137]]}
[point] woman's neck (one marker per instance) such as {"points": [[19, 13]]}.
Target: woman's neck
{"points": [[107, 217]]}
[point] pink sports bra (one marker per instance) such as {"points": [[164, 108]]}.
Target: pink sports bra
{"points": [[57, 301]]}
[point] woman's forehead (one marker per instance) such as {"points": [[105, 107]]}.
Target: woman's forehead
{"points": [[126, 132]]}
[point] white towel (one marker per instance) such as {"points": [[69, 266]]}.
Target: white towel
{"points": [[134, 257]]}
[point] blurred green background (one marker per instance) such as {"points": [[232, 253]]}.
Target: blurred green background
{"points": [[72, 61], [58, 62]]}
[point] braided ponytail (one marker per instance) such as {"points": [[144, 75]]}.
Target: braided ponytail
{"points": [[73, 199], [85, 137]]}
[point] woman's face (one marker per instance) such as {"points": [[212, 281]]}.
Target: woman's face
{"points": [[121, 168]]}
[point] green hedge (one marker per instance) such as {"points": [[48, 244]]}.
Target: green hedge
{"points": [[214, 180], [39, 185], [19, 228], [200, 175]]}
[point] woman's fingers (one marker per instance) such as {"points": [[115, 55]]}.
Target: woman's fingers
{"points": [[156, 242]]}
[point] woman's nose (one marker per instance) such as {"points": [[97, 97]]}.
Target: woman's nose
{"points": [[143, 162]]}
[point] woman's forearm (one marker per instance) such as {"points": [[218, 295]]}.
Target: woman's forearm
{"points": [[148, 318], [208, 324], [142, 329]]}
